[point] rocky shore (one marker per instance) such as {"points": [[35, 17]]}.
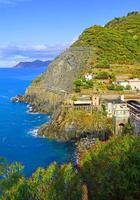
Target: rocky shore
{"points": [[18, 99], [83, 145]]}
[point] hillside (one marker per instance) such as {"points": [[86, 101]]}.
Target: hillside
{"points": [[109, 52], [118, 41], [34, 64]]}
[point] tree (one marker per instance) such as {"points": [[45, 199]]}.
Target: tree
{"points": [[112, 169], [78, 83], [102, 75], [19, 191], [10, 175], [128, 129]]}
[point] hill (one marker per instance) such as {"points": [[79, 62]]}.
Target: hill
{"points": [[117, 42], [34, 64], [110, 52]]}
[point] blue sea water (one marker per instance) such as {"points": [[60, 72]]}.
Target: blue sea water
{"points": [[17, 126]]}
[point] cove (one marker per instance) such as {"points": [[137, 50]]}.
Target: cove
{"points": [[18, 141]]}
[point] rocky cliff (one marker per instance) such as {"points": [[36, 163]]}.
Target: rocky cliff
{"points": [[48, 91]]}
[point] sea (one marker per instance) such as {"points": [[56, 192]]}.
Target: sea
{"points": [[18, 127]]}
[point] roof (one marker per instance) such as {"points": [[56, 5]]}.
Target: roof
{"points": [[129, 80], [121, 107], [114, 101], [134, 80], [84, 98], [82, 102]]}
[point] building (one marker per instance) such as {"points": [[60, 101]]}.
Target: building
{"points": [[118, 110], [88, 77], [109, 102], [121, 114], [123, 83], [135, 116], [86, 102], [133, 83], [95, 101], [135, 122]]}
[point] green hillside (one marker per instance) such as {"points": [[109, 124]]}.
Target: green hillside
{"points": [[118, 42], [109, 53]]}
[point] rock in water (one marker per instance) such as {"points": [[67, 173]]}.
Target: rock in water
{"points": [[18, 98]]}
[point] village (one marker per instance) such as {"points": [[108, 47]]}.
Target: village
{"points": [[121, 108]]}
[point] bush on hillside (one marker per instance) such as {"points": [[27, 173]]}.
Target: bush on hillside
{"points": [[105, 75], [112, 169], [103, 64]]}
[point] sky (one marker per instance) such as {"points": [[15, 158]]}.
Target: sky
{"points": [[42, 29]]}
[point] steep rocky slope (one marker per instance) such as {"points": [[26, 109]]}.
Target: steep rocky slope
{"points": [[47, 91]]}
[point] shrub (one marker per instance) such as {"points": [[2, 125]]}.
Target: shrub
{"points": [[116, 87], [103, 64], [74, 98], [78, 83], [112, 169], [128, 87], [102, 75], [77, 89], [111, 87]]}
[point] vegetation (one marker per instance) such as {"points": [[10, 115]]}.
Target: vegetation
{"points": [[117, 42], [116, 87], [105, 75], [109, 170], [82, 83], [112, 169], [53, 183], [95, 121], [103, 64], [128, 129], [36, 81]]}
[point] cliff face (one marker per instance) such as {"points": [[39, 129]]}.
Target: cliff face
{"points": [[48, 91]]}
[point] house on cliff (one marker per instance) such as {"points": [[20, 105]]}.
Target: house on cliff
{"points": [[133, 83], [86, 102], [118, 110]]}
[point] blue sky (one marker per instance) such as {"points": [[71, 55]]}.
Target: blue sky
{"points": [[41, 29]]}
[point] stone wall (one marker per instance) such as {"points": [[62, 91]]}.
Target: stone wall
{"points": [[135, 122]]}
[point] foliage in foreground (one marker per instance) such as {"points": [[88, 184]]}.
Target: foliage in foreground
{"points": [[110, 170]]}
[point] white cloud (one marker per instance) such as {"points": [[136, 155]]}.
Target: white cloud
{"points": [[12, 54], [11, 2]]}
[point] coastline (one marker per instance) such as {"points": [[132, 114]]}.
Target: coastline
{"points": [[81, 144]]}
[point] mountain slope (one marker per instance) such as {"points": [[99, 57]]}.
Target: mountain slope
{"points": [[118, 42]]}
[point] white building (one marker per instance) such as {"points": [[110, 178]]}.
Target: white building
{"points": [[123, 83], [88, 77], [133, 83], [120, 117]]}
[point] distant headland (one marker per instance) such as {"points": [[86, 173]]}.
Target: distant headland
{"points": [[34, 64]]}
